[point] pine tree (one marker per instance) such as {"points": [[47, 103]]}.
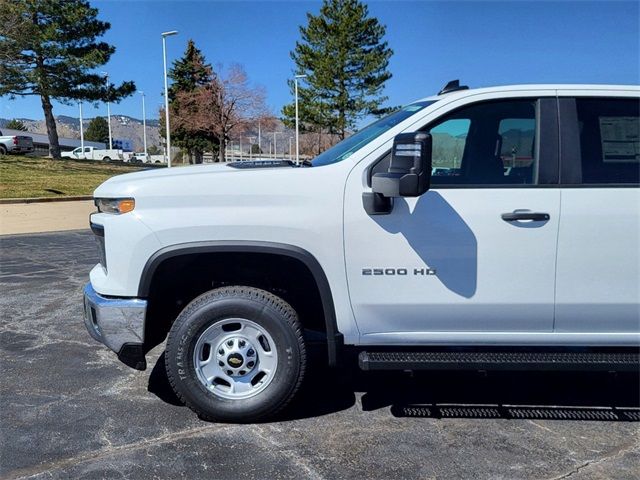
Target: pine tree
{"points": [[97, 130], [188, 74], [343, 52], [16, 124], [49, 48]]}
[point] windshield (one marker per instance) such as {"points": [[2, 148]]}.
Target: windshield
{"points": [[345, 148]]}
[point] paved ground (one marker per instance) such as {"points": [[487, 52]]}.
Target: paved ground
{"points": [[44, 216], [69, 409]]}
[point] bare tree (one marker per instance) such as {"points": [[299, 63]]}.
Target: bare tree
{"points": [[225, 106]]}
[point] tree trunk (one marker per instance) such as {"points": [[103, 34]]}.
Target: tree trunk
{"points": [[197, 156], [54, 146], [223, 147]]}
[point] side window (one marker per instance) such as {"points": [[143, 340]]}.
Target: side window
{"points": [[490, 143], [518, 148], [609, 140], [449, 139]]}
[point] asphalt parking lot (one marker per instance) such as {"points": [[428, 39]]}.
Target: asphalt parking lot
{"points": [[69, 409]]}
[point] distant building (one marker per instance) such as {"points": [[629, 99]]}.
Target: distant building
{"points": [[123, 144], [41, 142]]}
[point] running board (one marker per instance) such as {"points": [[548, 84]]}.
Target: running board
{"points": [[501, 360]]}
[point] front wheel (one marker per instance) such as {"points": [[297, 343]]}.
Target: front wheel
{"points": [[236, 354], [106, 159]]}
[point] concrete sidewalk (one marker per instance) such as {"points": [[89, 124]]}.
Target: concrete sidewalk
{"points": [[45, 217]]}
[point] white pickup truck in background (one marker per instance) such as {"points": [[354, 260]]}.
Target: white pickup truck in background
{"points": [[15, 144], [93, 153], [146, 158]]}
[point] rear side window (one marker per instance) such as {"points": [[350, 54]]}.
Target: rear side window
{"points": [[609, 140]]}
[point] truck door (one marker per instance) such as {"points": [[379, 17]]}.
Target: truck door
{"points": [[474, 255], [598, 275]]}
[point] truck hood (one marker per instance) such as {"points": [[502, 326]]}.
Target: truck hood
{"points": [[200, 179]]}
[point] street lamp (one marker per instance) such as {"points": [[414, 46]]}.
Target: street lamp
{"points": [[166, 93], [81, 129], [250, 147], [106, 75], [259, 138], [297, 134], [144, 128], [275, 145]]}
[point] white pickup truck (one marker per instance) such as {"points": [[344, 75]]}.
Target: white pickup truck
{"points": [[495, 228], [93, 153]]}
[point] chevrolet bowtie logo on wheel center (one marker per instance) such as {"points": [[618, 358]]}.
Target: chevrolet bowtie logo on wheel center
{"points": [[235, 360]]}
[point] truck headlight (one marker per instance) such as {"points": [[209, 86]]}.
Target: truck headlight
{"points": [[115, 205]]}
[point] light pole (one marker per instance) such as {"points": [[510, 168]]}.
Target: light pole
{"points": [[250, 147], [144, 128], [259, 139], [81, 129], [297, 134], [275, 145], [166, 93], [106, 75], [290, 153], [240, 143]]}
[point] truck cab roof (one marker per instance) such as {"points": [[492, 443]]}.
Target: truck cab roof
{"points": [[462, 91]]}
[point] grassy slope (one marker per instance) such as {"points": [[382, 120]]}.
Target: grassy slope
{"points": [[23, 177]]}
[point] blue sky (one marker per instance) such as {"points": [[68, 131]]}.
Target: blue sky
{"points": [[482, 43]]}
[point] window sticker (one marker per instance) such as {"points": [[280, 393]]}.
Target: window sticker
{"points": [[620, 137]]}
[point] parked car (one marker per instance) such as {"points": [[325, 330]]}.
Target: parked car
{"points": [[16, 144], [366, 251], [140, 157], [93, 153]]}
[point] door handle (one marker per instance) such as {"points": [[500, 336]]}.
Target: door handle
{"points": [[518, 216]]}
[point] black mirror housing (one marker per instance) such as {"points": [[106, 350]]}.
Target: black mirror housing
{"points": [[409, 173]]}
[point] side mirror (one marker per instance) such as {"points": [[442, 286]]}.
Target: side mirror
{"points": [[409, 173]]}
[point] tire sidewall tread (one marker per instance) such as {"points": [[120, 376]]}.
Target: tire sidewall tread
{"points": [[259, 306]]}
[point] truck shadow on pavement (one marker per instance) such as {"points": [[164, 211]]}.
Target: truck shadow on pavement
{"points": [[593, 396]]}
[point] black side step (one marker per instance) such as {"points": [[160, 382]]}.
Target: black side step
{"points": [[501, 360]]}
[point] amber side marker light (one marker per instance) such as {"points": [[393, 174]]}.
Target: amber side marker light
{"points": [[117, 206]]}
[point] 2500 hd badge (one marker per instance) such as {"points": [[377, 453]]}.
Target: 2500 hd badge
{"points": [[398, 271]]}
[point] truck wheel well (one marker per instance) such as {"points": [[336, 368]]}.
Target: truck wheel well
{"points": [[177, 280]]}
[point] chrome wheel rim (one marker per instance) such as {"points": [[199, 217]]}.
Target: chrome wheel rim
{"points": [[235, 358]]}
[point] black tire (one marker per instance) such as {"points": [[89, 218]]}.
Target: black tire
{"points": [[272, 314], [106, 159], [3, 150]]}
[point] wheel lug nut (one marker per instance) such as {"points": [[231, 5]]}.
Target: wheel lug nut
{"points": [[242, 372], [250, 364], [230, 343], [229, 372], [221, 351], [250, 352], [221, 363], [241, 343]]}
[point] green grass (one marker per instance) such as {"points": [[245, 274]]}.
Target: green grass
{"points": [[27, 177]]}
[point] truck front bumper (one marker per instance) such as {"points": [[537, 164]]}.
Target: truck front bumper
{"points": [[117, 323]]}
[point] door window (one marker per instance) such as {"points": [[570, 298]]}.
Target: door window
{"points": [[449, 139], [491, 143], [609, 140]]}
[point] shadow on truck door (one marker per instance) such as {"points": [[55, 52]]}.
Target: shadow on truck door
{"points": [[593, 396], [440, 237]]}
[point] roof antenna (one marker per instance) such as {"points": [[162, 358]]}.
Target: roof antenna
{"points": [[452, 86]]}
